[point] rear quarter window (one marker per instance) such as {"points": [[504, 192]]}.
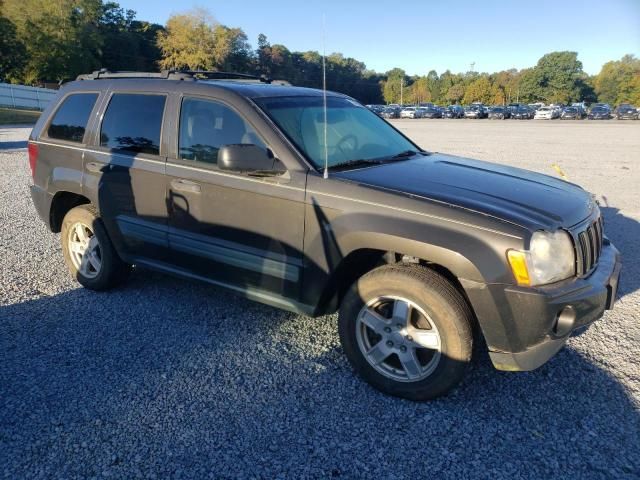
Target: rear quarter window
{"points": [[70, 120], [133, 122]]}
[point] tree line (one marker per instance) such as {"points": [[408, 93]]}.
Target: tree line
{"points": [[54, 41]]}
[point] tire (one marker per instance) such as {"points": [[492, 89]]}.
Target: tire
{"points": [[436, 309], [88, 251]]}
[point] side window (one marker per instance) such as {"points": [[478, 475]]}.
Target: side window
{"points": [[206, 125], [70, 120], [132, 123]]}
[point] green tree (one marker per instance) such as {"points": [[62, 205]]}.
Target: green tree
{"points": [[391, 87], [478, 91], [619, 81], [128, 44], [12, 51], [61, 38], [419, 91], [557, 78], [188, 41], [433, 85], [455, 93]]}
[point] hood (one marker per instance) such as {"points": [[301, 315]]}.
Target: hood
{"points": [[518, 196]]}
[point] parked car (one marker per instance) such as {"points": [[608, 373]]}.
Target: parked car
{"points": [[410, 112], [474, 111], [546, 113], [377, 109], [582, 106], [391, 112], [558, 108], [571, 113], [499, 113], [231, 183], [431, 112], [626, 112], [599, 113], [453, 111], [522, 113]]}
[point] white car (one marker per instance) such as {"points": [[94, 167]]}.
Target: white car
{"points": [[546, 113], [409, 112]]}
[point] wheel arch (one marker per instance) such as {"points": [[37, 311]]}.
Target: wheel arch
{"points": [[389, 250], [61, 203]]}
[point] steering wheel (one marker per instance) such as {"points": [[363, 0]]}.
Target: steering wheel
{"points": [[345, 140]]}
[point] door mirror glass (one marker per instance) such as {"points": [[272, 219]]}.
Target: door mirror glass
{"points": [[248, 158]]}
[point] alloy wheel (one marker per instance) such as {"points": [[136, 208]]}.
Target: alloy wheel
{"points": [[84, 250], [398, 339]]}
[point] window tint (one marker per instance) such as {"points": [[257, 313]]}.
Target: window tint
{"points": [[133, 122], [205, 126], [71, 119]]}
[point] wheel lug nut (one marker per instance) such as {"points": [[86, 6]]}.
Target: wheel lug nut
{"points": [[387, 329], [389, 343], [399, 325], [409, 337], [403, 348]]}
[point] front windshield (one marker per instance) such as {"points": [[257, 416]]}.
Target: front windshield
{"points": [[353, 132]]}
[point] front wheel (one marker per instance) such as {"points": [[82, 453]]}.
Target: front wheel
{"points": [[407, 331]]}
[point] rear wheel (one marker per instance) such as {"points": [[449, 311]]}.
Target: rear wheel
{"points": [[407, 331], [88, 251]]}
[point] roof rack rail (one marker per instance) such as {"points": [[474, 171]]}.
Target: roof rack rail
{"points": [[215, 75], [175, 75], [164, 74]]}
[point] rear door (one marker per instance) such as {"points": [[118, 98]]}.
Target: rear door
{"points": [[242, 231], [125, 173]]}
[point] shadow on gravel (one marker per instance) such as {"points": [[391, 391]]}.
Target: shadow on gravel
{"points": [[182, 380], [13, 145]]}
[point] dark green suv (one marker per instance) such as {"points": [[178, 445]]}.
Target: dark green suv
{"points": [[314, 204]]}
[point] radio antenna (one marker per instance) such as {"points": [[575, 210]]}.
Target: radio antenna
{"points": [[324, 100]]}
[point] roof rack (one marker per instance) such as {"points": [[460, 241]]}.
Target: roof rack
{"points": [[104, 73], [175, 75], [215, 75]]}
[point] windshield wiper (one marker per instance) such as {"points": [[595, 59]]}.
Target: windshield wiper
{"points": [[359, 162], [405, 154]]}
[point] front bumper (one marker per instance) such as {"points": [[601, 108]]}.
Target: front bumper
{"points": [[524, 327]]}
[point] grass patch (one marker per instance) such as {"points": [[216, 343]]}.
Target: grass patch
{"points": [[10, 115]]}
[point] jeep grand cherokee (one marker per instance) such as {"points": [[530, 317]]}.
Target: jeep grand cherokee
{"points": [[220, 178]]}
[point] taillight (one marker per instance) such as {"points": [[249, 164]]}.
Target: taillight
{"points": [[33, 158]]}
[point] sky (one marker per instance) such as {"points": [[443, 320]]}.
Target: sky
{"points": [[420, 36]]}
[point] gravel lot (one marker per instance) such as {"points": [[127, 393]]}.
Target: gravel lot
{"points": [[166, 378]]}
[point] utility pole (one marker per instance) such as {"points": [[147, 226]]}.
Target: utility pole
{"points": [[401, 91]]}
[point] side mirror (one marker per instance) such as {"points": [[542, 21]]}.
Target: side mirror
{"points": [[248, 158]]}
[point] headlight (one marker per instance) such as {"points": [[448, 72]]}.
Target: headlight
{"points": [[550, 258]]}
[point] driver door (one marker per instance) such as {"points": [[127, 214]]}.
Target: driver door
{"points": [[233, 229]]}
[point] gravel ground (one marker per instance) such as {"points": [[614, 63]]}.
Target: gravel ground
{"points": [[165, 378]]}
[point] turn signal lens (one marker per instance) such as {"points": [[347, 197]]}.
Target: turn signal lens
{"points": [[518, 263]]}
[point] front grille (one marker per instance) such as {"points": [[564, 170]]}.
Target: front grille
{"points": [[588, 247]]}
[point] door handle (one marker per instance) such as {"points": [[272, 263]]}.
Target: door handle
{"points": [[182, 185], [94, 167]]}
